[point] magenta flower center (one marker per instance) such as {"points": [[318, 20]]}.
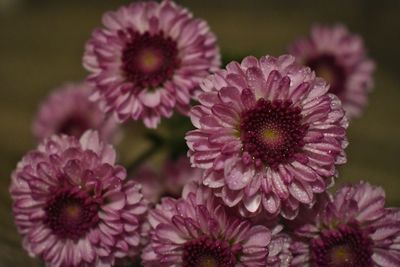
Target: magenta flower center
{"points": [[206, 252], [272, 132], [327, 67], [71, 214], [74, 125], [347, 246], [149, 60]]}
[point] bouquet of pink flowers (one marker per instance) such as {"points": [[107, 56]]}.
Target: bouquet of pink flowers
{"points": [[250, 189]]}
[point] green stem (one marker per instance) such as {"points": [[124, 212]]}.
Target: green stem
{"points": [[156, 144]]}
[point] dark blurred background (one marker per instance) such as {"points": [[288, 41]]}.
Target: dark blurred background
{"points": [[41, 46]]}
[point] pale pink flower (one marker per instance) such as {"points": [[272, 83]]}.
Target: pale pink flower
{"points": [[197, 230], [340, 58], [269, 135], [71, 203], [68, 110], [148, 59], [353, 228]]}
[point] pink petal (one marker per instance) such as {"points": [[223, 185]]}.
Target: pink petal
{"points": [[301, 191], [259, 236]]}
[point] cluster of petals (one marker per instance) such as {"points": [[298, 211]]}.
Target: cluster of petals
{"points": [[340, 57], [68, 110], [279, 253], [197, 230], [169, 181], [149, 58], [269, 135], [71, 203], [351, 228]]}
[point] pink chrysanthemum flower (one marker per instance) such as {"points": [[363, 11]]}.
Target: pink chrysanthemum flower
{"points": [[69, 111], [269, 135], [352, 229], [148, 59], [72, 206], [197, 230], [340, 58], [169, 181]]}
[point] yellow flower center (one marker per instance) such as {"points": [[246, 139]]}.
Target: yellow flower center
{"points": [[207, 261], [150, 60], [342, 256]]}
